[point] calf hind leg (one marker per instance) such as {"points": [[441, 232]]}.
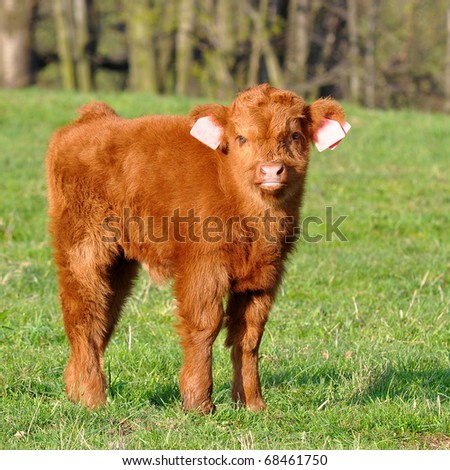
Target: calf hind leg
{"points": [[92, 295]]}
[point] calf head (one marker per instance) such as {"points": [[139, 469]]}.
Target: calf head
{"points": [[264, 137]]}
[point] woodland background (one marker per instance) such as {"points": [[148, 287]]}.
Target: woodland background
{"points": [[378, 53]]}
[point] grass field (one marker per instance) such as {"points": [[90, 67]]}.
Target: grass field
{"points": [[356, 352]]}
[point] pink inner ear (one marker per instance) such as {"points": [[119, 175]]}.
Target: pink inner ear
{"points": [[207, 131], [329, 134]]}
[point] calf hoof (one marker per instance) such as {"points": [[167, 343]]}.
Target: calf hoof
{"points": [[89, 393], [86, 398], [257, 405], [204, 408]]}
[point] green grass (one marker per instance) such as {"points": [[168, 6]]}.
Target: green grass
{"points": [[356, 353]]}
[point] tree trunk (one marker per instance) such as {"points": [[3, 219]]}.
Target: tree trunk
{"points": [[255, 57], [142, 61], [353, 33], [242, 39], [274, 70], [223, 54], [297, 42], [447, 68], [81, 46], [65, 36], [72, 19], [262, 36], [167, 45], [370, 92], [184, 45], [15, 42]]}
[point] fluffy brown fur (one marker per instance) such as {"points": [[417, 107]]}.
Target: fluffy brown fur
{"points": [[109, 176]]}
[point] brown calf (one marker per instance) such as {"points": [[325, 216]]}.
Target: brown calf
{"points": [[220, 222]]}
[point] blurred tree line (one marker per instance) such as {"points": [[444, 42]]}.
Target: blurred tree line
{"points": [[373, 52]]}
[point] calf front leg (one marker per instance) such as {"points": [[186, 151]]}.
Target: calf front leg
{"points": [[196, 372], [200, 319], [247, 314]]}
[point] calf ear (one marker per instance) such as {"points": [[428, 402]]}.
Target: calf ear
{"points": [[327, 123], [208, 125]]}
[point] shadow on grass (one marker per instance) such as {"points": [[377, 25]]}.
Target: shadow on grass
{"points": [[164, 395], [353, 386], [161, 394], [378, 384], [406, 383]]}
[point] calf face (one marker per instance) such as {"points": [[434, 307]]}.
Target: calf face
{"points": [[103, 165], [265, 135]]}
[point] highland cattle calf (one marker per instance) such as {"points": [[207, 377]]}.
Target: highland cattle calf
{"points": [[212, 203]]}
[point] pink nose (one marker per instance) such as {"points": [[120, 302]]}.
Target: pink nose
{"points": [[272, 172]]}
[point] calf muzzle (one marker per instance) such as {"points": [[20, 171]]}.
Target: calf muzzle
{"points": [[271, 176]]}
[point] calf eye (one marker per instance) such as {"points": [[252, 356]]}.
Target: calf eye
{"points": [[296, 136], [242, 139]]}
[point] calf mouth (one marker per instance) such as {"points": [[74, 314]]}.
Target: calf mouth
{"points": [[271, 187]]}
